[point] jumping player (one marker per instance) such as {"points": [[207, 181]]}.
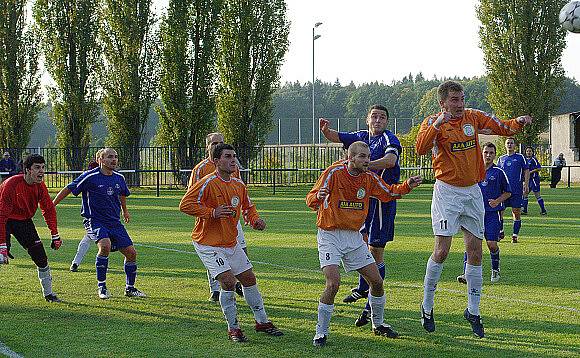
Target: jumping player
{"points": [[85, 243], [495, 189], [203, 168], [104, 193], [20, 196], [534, 184], [341, 197], [379, 226], [516, 168], [452, 137], [218, 200]]}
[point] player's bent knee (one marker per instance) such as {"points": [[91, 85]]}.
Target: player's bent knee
{"points": [[247, 278], [130, 253], [332, 286], [38, 254], [227, 281]]}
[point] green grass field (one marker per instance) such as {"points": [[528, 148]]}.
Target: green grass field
{"points": [[534, 311]]}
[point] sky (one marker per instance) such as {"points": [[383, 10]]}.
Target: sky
{"points": [[385, 40]]}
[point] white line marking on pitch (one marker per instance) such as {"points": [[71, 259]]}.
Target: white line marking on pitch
{"points": [[4, 350], [390, 283]]}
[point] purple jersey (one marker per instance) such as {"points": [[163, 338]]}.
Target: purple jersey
{"points": [[494, 184], [379, 146]]}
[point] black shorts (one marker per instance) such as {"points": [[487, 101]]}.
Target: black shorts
{"points": [[24, 231]]}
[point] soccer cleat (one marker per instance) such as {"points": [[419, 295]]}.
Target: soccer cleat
{"points": [[52, 298], [363, 319], [476, 324], [269, 329], [74, 267], [524, 212], [514, 239], [544, 213], [495, 276], [386, 331], [133, 292], [461, 279], [355, 295], [103, 293], [215, 296], [427, 320], [501, 236], [319, 340], [239, 289], [236, 335]]}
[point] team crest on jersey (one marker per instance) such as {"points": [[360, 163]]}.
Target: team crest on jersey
{"points": [[468, 129], [117, 186], [352, 205], [235, 201], [461, 146], [491, 177], [361, 193], [484, 183], [508, 163], [110, 191]]}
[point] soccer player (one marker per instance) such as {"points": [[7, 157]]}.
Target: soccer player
{"points": [[218, 200], [85, 243], [495, 189], [452, 137], [203, 168], [20, 196], [516, 168], [341, 197], [104, 192], [534, 184], [379, 225]]}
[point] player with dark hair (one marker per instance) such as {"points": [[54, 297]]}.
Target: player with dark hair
{"points": [[457, 204], [379, 226], [341, 198], [20, 196], [516, 168], [534, 185], [85, 243], [203, 168], [104, 192], [217, 201], [495, 189]]}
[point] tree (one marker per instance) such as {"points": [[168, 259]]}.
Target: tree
{"points": [[129, 77], [253, 41], [69, 30], [522, 44], [20, 97], [188, 39]]}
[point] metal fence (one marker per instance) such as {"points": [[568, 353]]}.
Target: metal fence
{"points": [[271, 165]]}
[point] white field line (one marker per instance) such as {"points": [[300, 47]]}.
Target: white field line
{"points": [[390, 283], [5, 351]]}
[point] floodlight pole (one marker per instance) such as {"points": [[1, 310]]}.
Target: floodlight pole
{"points": [[314, 125]]}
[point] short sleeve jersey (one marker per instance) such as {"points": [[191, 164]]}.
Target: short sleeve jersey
{"points": [[494, 184], [514, 166], [533, 164], [101, 194], [380, 146]]}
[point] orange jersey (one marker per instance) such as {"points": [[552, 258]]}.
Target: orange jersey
{"points": [[457, 158], [204, 168], [203, 197], [347, 204]]}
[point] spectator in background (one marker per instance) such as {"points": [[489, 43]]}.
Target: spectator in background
{"points": [[8, 166], [559, 163]]}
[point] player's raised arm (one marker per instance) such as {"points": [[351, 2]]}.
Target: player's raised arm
{"points": [[61, 195], [428, 132], [330, 134], [489, 124], [193, 202], [385, 192]]}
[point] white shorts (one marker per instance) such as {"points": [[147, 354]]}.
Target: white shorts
{"points": [[343, 245], [456, 207], [240, 237], [221, 259]]}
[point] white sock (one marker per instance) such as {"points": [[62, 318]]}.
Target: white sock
{"points": [[324, 314], [432, 275], [45, 278], [228, 303], [377, 309], [254, 300], [214, 284], [84, 246], [474, 278]]}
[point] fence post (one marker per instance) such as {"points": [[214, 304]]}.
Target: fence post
{"points": [[157, 182], [299, 131], [569, 177]]}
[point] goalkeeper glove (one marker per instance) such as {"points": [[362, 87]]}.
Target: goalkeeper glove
{"points": [[56, 242]]}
